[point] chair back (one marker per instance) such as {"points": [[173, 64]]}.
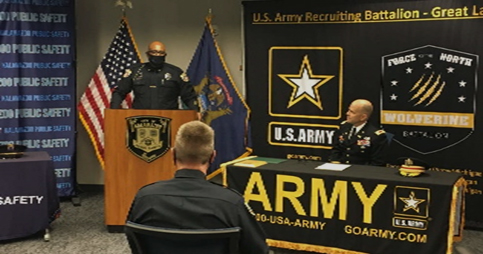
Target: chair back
{"points": [[389, 137], [145, 239]]}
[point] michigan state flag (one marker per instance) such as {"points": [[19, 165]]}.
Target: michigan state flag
{"points": [[222, 106]]}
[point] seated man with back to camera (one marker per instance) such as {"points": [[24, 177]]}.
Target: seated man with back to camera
{"points": [[189, 201], [357, 141]]}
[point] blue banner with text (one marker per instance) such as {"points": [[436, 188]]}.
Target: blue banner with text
{"points": [[37, 81]]}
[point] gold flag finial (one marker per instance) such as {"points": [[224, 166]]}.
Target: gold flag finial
{"points": [[209, 17], [208, 20], [123, 4]]}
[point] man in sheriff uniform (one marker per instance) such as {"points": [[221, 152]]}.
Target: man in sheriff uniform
{"points": [[359, 142], [156, 84], [188, 201]]}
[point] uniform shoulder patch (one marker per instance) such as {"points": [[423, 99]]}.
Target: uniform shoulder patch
{"points": [[379, 132], [184, 77], [127, 73]]}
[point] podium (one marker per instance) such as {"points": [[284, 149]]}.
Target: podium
{"points": [[126, 172]]}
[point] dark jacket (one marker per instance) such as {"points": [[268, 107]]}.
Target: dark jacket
{"points": [[155, 88], [188, 201], [368, 146]]}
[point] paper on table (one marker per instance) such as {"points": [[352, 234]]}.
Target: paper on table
{"points": [[250, 163], [333, 166]]}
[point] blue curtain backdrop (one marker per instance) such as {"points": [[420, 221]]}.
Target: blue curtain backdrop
{"points": [[37, 81]]}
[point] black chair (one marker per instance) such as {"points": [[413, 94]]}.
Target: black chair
{"points": [[156, 240], [389, 137]]}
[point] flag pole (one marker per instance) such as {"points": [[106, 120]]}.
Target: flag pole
{"points": [[208, 20], [209, 17]]}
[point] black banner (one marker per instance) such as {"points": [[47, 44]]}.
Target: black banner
{"points": [[417, 61], [363, 209]]}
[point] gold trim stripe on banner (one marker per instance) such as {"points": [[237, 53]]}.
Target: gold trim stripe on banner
{"points": [[309, 247], [461, 183]]}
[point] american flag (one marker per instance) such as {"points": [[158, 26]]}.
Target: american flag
{"points": [[121, 54]]}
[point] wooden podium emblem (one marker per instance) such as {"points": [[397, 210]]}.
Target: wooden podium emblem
{"points": [[148, 137]]}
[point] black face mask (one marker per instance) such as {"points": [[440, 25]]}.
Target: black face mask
{"points": [[157, 61]]}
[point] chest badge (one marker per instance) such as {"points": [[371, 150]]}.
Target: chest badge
{"points": [[167, 76], [364, 143]]}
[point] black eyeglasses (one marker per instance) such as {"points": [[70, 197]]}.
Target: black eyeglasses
{"points": [[156, 53]]}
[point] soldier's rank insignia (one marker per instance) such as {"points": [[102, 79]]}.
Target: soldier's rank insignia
{"points": [[379, 132]]}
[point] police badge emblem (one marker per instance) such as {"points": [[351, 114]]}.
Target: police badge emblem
{"points": [[148, 137]]}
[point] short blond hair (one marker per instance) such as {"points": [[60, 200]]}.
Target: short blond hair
{"points": [[195, 142]]}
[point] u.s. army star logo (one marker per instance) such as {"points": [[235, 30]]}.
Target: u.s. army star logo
{"points": [[411, 207], [305, 84], [411, 202], [148, 137]]}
